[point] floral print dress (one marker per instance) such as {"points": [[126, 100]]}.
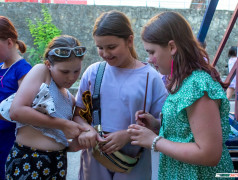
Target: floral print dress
{"points": [[176, 128]]}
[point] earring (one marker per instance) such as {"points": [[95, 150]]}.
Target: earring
{"points": [[172, 67]]}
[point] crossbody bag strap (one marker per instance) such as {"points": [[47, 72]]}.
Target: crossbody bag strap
{"points": [[96, 96]]}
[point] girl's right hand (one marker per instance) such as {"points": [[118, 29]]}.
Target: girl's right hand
{"points": [[147, 120], [74, 146], [89, 139], [72, 129], [141, 136]]}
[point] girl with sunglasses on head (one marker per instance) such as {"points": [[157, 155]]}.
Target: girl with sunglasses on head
{"points": [[13, 68], [195, 124], [43, 111], [121, 95]]}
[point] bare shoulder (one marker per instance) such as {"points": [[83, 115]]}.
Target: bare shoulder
{"points": [[41, 72], [40, 68]]}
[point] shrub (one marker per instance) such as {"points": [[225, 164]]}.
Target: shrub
{"points": [[42, 31]]}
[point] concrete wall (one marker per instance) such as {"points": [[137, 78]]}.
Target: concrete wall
{"points": [[78, 20]]}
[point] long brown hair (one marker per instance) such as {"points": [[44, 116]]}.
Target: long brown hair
{"points": [[190, 55], [114, 23], [7, 30]]}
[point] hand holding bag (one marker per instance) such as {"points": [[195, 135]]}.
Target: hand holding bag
{"points": [[116, 161]]}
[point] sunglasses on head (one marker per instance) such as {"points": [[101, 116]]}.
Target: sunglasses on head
{"points": [[65, 52]]}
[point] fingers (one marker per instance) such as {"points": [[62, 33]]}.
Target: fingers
{"points": [[93, 142], [137, 114], [110, 149], [107, 145], [135, 126], [136, 143], [134, 137], [135, 140], [88, 139], [100, 139], [82, 142], [141, 123], [74, 146], [143, 116]]}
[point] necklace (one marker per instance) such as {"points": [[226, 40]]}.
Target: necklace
{"points": [[5, 72]]}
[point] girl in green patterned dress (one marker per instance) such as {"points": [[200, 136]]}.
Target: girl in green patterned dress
{"points": [[194, 124]]}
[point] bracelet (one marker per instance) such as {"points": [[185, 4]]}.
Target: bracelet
{"points": [[153, 146]]}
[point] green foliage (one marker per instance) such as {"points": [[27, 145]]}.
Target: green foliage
{"points": [[43, 31]]}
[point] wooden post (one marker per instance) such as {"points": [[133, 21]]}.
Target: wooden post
{"points": [[218, 53], [227, 33]]}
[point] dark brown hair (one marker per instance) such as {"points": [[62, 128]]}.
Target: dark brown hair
{"points": [[7, 30], [61, 41], [190, 55], [232, 51], [114, 23]]}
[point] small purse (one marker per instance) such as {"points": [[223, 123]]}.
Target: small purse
{"points": [[117, 161]]}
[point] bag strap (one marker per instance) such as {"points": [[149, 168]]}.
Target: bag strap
{"points": [[96, 95]]}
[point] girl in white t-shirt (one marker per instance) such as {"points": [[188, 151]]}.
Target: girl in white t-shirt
{"points": [[121, 95]]}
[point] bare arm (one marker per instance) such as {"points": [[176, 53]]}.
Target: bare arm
{"points": [[89, 138], [22, 111], [20, 81], [229, 92], [204, 119]]}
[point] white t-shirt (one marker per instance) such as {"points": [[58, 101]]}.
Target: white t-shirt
{"points": [[122, 94], [231, 63]]}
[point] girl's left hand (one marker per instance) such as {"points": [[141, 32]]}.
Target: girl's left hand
{"points": [[141, 136], [147, 120], [115, 141], [74, 146]]}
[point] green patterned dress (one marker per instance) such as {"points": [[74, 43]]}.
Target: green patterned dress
{"points": [[175, 127]]}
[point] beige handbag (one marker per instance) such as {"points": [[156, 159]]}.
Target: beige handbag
{"points": [[115, 162]]}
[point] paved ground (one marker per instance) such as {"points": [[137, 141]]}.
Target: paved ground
{"points": [[73, 165], [232, 105]]}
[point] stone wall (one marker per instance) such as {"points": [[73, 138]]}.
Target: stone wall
{"points": [[78, 20]]}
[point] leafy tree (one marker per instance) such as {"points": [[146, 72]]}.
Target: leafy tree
{"points": [[43, 31]]}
